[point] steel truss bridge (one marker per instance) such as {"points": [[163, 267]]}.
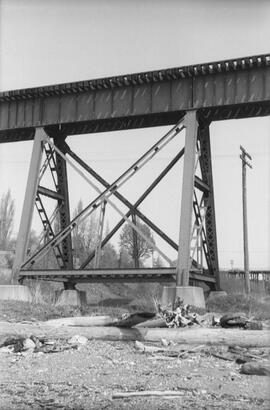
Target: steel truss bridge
{"points": [[188, 99]]}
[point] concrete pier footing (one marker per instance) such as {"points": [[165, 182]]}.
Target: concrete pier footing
{"points": [[15, 292], [217, 294], [72, 297], [192, 295]]}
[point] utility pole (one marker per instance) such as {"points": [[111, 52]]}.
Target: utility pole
{"points": [[244, 155]]}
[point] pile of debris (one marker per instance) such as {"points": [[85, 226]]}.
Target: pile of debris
{"points": [[25, 345], [179, 316]]}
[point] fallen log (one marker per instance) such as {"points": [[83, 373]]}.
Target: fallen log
{"points": [[127, 320], [159, 322], [84, 321], [133, 319], [228, 337]]}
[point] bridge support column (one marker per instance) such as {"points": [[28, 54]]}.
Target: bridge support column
{"points": [[189, 294], [28, 204], [183, 263]]}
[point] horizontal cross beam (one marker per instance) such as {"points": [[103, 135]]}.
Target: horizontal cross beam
{"points": [[49, 193], [201, 185], [111, 275]]}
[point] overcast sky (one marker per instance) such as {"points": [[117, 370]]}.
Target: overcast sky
{"points": [[43, 42]]}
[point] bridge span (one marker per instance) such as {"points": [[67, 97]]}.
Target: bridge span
{"points": [[187, 98], [236, 88]]}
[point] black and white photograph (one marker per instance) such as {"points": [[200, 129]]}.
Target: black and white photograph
{"points": [[134, 204]]}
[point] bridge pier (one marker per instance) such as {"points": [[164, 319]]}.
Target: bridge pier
{"points": [[191, 295], [196, 139], [71, 297]]}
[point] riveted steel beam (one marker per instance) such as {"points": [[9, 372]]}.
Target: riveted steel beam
{"points": [[210, 218], [64, 208], [138, 100], [111, 275]]}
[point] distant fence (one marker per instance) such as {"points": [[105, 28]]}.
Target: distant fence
{"points": [[234, 281]]}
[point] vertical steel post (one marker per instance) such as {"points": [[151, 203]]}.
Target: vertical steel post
{"points": [[28, 204], [64, 208], [210, 217], [182, 276]]}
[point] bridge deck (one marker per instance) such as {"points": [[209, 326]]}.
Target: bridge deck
{"points": [[235, 88], [111, 275]]}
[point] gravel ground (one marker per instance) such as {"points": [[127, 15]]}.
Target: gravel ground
{"points": [[88, 377]]}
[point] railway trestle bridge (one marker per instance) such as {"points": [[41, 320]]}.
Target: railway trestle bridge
{"points": [[188, 99]]}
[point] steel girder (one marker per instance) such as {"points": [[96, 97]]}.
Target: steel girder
{"points": [[236, 88], [111, 275], [63, 204], [210, 218]]}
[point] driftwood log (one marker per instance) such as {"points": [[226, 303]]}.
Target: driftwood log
{"points": [[86, 321], [83, 321], [228, 337]]}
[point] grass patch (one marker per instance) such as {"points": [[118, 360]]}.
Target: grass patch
{"points": [[134, 300], [11, 310], [255, 307], [102, 300]]}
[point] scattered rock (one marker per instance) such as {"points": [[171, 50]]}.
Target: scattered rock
{"points": [[78, 340], [257, 368], [28, 344], [165, 342]]}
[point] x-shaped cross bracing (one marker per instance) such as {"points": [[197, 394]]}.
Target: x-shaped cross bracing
{"points": [[111, 189]]}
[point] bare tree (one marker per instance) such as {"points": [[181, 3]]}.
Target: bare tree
{"points": [[7, 210], [127, 240], [84, 235]]}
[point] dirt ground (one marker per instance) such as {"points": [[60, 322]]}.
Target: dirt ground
{"points": [[88, 377]]}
